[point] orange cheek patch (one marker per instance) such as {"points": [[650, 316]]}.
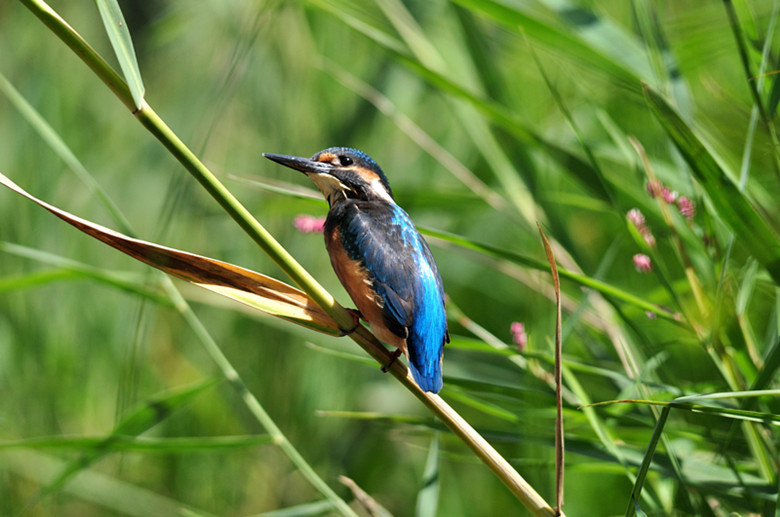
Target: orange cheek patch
{"points": [[367, 175], [326, 157]]}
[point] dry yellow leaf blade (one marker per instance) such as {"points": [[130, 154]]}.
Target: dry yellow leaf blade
{"points": [[237, 283]]}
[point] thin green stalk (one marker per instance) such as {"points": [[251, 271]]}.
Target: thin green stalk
{"points": [[362, 336], [108, 491], [84, 50], [751, 431], [533, 263], [750, 79], [646, 462], [58, 145], [590, 157], [232, 376], [472, 122]]}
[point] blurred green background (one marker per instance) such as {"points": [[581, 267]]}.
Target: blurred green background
{"points": [[486, 117]]}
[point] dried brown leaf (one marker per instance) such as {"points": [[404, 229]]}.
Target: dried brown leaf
{"points": [[243, 285]]}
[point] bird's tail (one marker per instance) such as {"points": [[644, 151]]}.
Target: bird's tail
{"points": [[425, 345], [426, 373]]}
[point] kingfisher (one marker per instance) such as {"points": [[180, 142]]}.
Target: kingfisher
{"points": [[380, 258]]}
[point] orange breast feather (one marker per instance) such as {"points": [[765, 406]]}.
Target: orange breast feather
{"points": [[358, 284]]}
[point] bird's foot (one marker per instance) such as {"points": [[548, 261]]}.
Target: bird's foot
{"points": [[396, 355], [356, 317]]}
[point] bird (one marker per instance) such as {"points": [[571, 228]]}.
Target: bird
{"points": [[380, 258]]}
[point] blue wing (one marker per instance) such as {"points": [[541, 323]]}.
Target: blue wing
{"points": [[405, 276]]}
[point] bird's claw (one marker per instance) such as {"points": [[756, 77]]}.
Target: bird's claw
{"points": [[356, 317], [395, 356]]}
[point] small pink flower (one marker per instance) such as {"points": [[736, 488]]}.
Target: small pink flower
{"points": [[309, 224], [687, 207], [654, 188], [518, 335], [651, 315], [636, 217], [648, 235], [668, 195], [642, 263]]}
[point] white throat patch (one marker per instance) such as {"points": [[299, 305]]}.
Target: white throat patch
{"points": [[378, 188], [330, 186]]}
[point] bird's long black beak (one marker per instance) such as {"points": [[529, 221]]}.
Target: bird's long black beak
{"points": [[305, 165]]}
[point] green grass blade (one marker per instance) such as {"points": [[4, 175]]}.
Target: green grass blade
{"points": [[58, 145], [301, 510], [466, 398], [729, 395], [36, 279], [559, 38], [770, 367], [119, 35], [428, 497], [157, 408], [729, 203], [131, 443], [115, 496], [526, 261], [496, 113], [606, 187], [636, 492], [146, 415], [774, 96], [500, 116], [742, 50], [726, 412], [84, 50], [72, 270]]}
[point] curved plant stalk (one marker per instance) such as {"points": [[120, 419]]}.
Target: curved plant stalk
{"points": [[147, 414], [55, 142], [362, 336], [633, 502], [559, 447], [697, 404]]}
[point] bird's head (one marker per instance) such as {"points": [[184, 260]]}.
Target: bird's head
{"points": [[341, 172]]}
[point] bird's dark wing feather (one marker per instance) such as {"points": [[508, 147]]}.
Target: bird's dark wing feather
{"points": [[388, 244]]}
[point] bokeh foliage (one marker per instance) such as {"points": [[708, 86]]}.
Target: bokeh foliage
{"points": [[486, 117]]}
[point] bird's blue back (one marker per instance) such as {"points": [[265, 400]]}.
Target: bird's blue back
{"points": [[382, 237]]}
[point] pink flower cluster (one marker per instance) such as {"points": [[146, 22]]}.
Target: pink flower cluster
{"points": [[518, 335], [642, 263], [636, 218], [685, 205], [309, 224]]}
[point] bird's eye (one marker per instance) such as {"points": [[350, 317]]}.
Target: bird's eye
{"points": [[345, 160]]}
